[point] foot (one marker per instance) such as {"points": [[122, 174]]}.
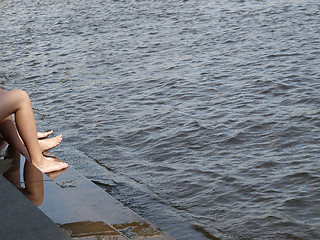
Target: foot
{"points": [[50, 165], [46, 144], [44, 134]]}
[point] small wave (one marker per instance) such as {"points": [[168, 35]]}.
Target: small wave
{"points": [[205, 232], [284, 55], [301, 177]]}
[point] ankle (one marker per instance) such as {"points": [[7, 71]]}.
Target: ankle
{"points": [[37, 160]]}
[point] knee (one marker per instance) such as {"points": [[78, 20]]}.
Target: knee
{"points": [[18, 98], [21, 94]]}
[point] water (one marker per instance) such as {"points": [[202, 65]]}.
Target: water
{"points": [[202, 116]]}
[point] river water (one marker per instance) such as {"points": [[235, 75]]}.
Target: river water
{"points": [[202, 115]]}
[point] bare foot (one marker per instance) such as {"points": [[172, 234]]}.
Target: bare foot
{"points": [[44, 134], [49, 165], [46, 144]]}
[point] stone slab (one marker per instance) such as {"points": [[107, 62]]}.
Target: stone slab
{"points": [[66, 211], [78, 206], [114, 212]]}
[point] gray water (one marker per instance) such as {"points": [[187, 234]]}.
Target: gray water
{"points": [[202, 116]]}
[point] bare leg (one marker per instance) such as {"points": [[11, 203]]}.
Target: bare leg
{"points": [[9, 133], [18, 102]]}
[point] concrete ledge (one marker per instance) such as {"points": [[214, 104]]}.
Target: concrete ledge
{"points": [[66, 199], [121, 218]]}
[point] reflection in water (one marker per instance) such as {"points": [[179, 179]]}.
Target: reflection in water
{"points": [[88, 228], [142, 229], [31, 183], [5, 162], [32, 177]]}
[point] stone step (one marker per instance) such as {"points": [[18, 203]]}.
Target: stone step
{"points": [[79, 206], [122, 218]]}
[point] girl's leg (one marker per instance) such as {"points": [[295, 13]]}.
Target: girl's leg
{"points": [[9, 133], [18, 102]]}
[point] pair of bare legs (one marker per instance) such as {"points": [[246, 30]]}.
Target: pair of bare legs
{"points": [[25, 139], [8, 132]]}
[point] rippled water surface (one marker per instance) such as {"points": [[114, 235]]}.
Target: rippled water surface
{"points": [[202, 116]]}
